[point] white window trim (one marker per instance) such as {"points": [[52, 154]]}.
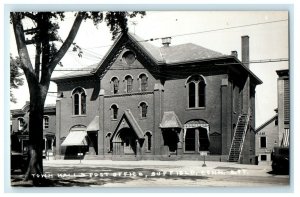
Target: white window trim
{"points": [[112, 111], [141, 113], [44, 122], [112, 84], [260, 142], [79, 102], [196, 92], [124, 80], [140, 81]]}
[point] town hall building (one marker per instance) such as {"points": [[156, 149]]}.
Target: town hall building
{"points": [[160, 103]]}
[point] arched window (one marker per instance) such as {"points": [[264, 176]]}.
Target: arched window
{"points": [[115, 82], [148, 141], [79, 101], [144, 82], [196, 91], [114, 109], [144, 109], [196, 136], [129, 57], [46, 122], [129, 80]]}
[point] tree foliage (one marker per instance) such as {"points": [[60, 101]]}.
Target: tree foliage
{"points": [[49, 50], [16, 79]]}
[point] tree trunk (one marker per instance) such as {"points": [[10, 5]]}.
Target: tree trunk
{"points": [[37, 99]]}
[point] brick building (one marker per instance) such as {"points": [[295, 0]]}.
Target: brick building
{"points": [[148, 102], [19, 129]]}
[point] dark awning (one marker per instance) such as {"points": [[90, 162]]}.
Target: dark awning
{"points": [[76, 137], [170, 120], [94, 124]]}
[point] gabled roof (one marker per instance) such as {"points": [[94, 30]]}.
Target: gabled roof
{"points": [[171, 55], [135, 126], [266, 123], [131, 122], [170, 120]]}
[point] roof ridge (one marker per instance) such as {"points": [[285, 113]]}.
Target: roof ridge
{"points": [[265, 123]]}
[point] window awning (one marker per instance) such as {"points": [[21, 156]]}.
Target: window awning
{"points": [[94, 124], [195, 125], [75, 138], [170, 120]]}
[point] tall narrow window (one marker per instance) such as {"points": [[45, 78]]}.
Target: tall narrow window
{"points": [[76, 104], [201, 94], [83, 104], [128, 84], [79, 101], [143, 107], [192, 94], [263, 142], [46, 122], [148, 141], [115, 82], [114, 109], [196, 91], [144, 82]]}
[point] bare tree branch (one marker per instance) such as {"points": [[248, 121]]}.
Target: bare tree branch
{"points": [[64, 48]]}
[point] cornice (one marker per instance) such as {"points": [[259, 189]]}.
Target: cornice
{"points": [[129, 94]]}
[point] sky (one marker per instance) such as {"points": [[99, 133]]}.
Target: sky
{"points": [[216, 30]]}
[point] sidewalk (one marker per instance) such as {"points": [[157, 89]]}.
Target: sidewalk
{"points": [[182, 165]]}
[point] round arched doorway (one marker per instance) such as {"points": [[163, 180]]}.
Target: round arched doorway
{"points": [[196, 136], [125, 142]]}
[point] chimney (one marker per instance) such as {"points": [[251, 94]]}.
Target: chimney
{"points": [[245, 50], [234, 53], [166, 41]]}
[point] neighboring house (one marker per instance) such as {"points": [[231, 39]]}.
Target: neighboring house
{"points": [[19, 129], [275, 132], [267, 137], [283, 89], [148, 102]]}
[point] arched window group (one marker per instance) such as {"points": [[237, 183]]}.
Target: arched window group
{"points": [[79, 101], [128, 83], [196, 91], [143, 106]]}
